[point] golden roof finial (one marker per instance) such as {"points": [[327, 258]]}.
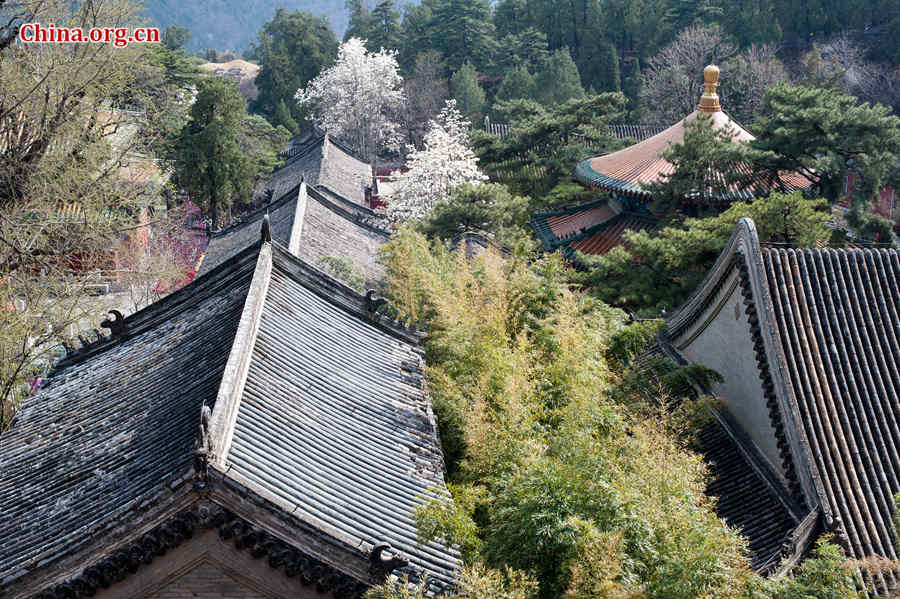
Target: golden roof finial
{"points": [[709, 101]]}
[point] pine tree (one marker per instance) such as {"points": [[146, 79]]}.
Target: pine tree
{"points": [[608, 61], [468, 94], [208, 162], [632, 89], [559, 80], [385, 29], [360, 24], [518, 84], [283, 117], [462, 30]]}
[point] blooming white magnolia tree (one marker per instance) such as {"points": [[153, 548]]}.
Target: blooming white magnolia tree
{"points": [[358, 99], [446, 162]]}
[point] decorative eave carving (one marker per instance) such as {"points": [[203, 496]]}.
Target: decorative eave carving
{"points": [[768, 385], [181, 527]]}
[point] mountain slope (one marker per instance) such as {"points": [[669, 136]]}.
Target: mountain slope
{"points": [[232, 24]]}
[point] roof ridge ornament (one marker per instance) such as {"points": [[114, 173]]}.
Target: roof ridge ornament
{"points": [[709, 101], [266, 229], [116, 324]]}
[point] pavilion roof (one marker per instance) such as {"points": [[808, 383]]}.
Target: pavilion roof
{"points": [[629, 171], [593, 228]]}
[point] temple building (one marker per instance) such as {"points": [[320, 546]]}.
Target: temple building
{"points": [[322, 163], [262, 432], [317, 226], [808, 344], [623, 177]]}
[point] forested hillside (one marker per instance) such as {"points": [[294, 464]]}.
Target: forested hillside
{"points": [[636, 29], [233, 24]]}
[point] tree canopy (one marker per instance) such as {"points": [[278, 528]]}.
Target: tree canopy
{"points": [[358, 99], [657, 271], [208, 161], [826, 134], [292, 49]]}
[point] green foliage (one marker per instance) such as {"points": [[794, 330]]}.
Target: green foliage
{"points": [[558, 80], [175, 38], [177, 67], [462, 31], [631, 87], [608, 78], [282, 117], [527, 48], [475, 582], [360, 21], [518, 84], [208, 161], [707, 166], [342, 270], [470, 98], [825, 134], [545, 144], [452, 523], [519, 359], [260, 142], [826, 575], [385, 29], [631, 341], [659, 271], [292, 49], [489, 208]]}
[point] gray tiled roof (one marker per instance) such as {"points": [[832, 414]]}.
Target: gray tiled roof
{"points": [[116, 428], [331, 227], [331, 230], [825, 332], [321, 162], [242, 235], [837, 314], [333, 423], [318, 407]]}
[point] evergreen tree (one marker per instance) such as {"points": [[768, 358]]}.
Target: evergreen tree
{"points": [[518, 84], [415, 34], [462, 30], [292, 49], [825, 134], [283, 118], [385, 29], [601, 71], [208, 162], [558, 80], [512, 17], [470, 98], [260, 142], [175, 38], [659, 271], [528, 47], [361, 20], [632, 89]]}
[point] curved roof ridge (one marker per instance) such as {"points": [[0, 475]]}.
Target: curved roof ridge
{"points": [[249, 218], [359, 220], [744, 239]]}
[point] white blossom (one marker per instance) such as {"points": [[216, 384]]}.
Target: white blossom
{"points": [[358, 99], [446, 162]]}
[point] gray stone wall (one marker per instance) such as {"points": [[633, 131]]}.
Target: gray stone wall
{"points": [[721, 340]]}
